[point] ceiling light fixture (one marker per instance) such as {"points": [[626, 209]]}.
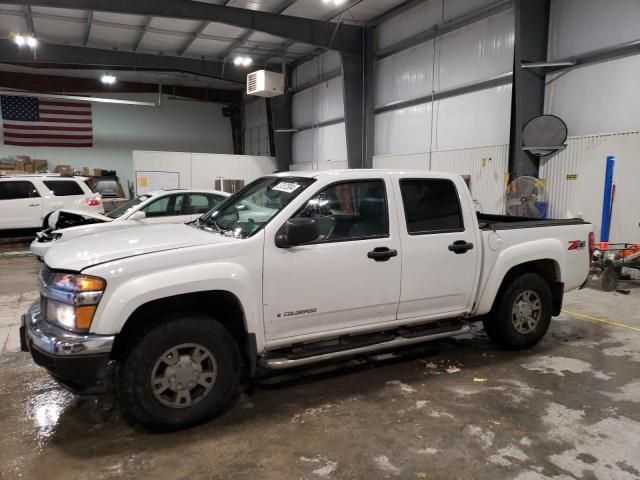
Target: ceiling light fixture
{"points": [[242, 61], [19, 40], [32, 42], [108, 79]]}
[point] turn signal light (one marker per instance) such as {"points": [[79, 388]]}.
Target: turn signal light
{"points": [[84, 316]]}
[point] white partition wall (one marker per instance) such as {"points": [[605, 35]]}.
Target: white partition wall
{"points": [[200, 170]]}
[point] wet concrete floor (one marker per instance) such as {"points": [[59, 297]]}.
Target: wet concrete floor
{"points": [[567, 409]]}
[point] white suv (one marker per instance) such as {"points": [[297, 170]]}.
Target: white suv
{"points": [[27, 200]]}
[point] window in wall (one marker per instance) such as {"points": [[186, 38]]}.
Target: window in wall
{"points": [[431, 206], [349, 211], [14, 190], [63, 188]]}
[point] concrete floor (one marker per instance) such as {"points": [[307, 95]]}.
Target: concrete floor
{"points": [[567, 409]]}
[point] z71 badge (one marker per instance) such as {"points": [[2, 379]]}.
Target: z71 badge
{"points": [[577, 244]]}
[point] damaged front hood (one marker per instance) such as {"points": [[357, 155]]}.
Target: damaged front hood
{"points": [[70, 218], [80, 253]]}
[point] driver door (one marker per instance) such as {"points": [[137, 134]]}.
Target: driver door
{"points": [[333, 283]]}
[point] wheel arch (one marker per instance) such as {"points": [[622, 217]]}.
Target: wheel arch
{"points": [[221, 305]]}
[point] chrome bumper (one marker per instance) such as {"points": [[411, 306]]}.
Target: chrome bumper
{"points": [[59, 342]]}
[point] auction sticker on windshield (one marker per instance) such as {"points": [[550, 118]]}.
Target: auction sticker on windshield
{"points": [[286, 187]]}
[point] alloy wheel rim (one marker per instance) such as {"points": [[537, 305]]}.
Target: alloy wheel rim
{"points": [[526, 312], [183, 375]]}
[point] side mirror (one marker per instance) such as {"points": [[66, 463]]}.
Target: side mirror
{"points": [[139, 215], [296, 232]]}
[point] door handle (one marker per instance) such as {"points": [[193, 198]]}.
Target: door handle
{"points": [[34, 204], [382, 254], [460, 246]]}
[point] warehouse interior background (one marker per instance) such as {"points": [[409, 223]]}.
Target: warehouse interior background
{"points": [[437, 89]]}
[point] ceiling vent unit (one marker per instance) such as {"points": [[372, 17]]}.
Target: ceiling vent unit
{"points": [[264, 83]]}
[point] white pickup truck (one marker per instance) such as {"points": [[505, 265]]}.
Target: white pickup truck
{"points": [[296, 268]]}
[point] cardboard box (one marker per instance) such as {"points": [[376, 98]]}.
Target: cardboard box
{"points": [[40, 165], [85, 172], [29, 168], [7, 166], [64, 169], [97, 172], [23, 158], [19, 164]]}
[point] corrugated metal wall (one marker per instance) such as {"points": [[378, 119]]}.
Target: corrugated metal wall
{"points": [[473, 53], [320, 103], [585, 157], [598, 98], [486, 166], [319, 166]]}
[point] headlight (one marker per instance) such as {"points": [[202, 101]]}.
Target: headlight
{"points": [[72, 299]]}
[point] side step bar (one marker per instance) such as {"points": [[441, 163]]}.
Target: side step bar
{"points": [[280, 363]]}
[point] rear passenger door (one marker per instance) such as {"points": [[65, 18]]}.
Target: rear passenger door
{"points": [[201, 203], [440, 253], [20, 205], [65, 194]]}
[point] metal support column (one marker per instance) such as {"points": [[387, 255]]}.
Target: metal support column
{"points": [[281, 122], [531, 35], [357, 78]]}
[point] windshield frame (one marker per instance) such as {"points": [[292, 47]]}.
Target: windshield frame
{"points": [[239, 197]]}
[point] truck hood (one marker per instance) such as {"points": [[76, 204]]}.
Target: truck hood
{"points": [[82, 252]]}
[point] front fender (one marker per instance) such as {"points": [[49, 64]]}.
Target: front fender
{"points": [[510, 257]]}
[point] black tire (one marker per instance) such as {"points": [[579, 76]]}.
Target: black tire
{"points": [[134, 385], [500, 324], [608, 279]]}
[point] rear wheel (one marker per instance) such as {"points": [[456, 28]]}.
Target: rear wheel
{"points": [[523, 313], [180, 373]]}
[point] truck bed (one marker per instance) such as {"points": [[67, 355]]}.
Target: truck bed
{"points": [[506, 222]]}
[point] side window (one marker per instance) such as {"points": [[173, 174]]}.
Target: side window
{"points": [[431, 206], [166, 206], [349, 211], [201, 203], [14, 190], [63, 188]]}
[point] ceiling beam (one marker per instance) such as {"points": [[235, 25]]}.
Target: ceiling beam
{"points": [[347, 38], [86, 57], [28, 16], [147, 22], [193, 38], [87, 29], [245, 36], [333, 14], [60, 84]]}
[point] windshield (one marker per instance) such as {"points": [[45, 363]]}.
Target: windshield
{"points": [[246, 212], [124, 208]]}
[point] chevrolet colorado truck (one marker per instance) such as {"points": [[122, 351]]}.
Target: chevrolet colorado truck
{"points": [[294, 269]]}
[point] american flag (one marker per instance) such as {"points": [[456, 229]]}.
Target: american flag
{"points": [[32, 122]]}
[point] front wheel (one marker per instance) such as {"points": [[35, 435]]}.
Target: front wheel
{"points": [[522, 314], [181, 373]]}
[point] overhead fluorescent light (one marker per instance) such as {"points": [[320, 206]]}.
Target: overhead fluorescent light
{"points": [[32, 42], [19, 40]]}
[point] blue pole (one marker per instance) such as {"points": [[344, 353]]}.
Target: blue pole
{"points": [[606, 202]]}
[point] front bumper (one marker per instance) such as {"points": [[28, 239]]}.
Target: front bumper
{"points": [[78, 361]]}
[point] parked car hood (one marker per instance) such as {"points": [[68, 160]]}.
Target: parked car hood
{"points": [[67, 216], [82, 252]]}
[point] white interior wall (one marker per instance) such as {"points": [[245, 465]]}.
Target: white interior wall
{"points": [[598, 98], [324, 144], [200, 170], [177, 125], [476, 52]]}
